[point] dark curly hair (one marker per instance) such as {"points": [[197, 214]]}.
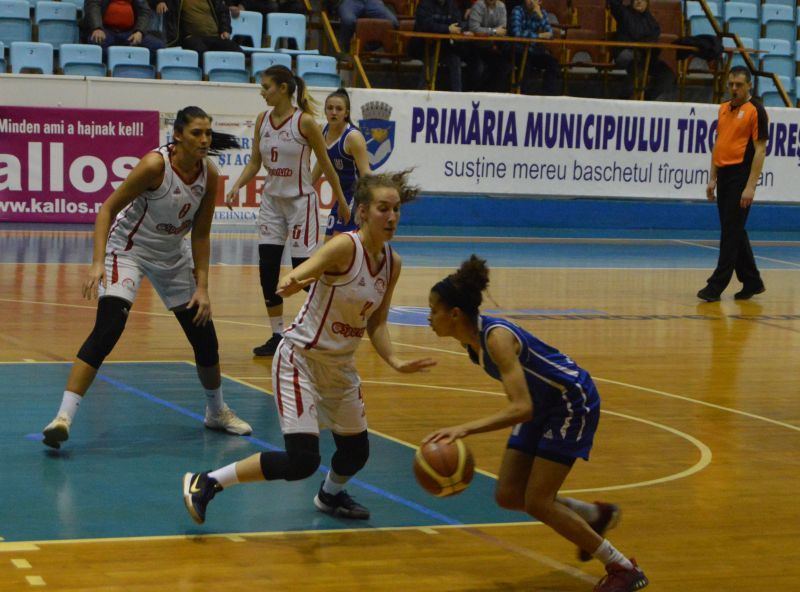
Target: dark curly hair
{"points": [[464, 288]]}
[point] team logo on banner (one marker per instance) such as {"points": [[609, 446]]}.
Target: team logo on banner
{"points": [[378, 131]]}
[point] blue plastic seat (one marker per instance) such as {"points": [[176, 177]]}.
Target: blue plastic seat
{"points": [[81, 59], [15, 21], [779, 57], [283, 25], [323, 79], [2, 57], [225, 66], [769, 93], [130, 62], [31, 57], [698, 22], [57, 23], [249, 25], [779, 22], [175, 63], [318, 70], [737, 59], [78, 4], [261, 61], [742, 19]]}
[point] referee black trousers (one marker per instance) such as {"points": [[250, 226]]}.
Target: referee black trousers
{"points": [[735, 253]]}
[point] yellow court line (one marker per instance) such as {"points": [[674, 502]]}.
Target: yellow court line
{"points": [[21, 563], [34, 545]]}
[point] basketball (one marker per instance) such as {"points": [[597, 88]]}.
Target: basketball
{"points": [[444, 469]]}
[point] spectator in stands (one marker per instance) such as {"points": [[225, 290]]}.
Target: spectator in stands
{"points": [[530, 20], [200, 25], [119, 22], [266, 7], [636, 23], [488, 63], [441, 16], [352, 10]]}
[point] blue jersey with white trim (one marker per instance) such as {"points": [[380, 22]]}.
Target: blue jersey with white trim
{"points": [[343, 162], [553, 378]]}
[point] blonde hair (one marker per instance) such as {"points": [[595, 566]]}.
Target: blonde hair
{"points": [[283, 75]]}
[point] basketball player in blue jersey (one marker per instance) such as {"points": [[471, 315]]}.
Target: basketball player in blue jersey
{"points": [[347, 150], [554, 409], [139, 232]]}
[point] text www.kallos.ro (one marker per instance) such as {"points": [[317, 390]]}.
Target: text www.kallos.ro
{"points": [[56, 206]]}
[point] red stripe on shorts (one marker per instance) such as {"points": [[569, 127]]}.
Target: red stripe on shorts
{"points": [[298, 397]]}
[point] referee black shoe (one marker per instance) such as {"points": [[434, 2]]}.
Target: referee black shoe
{"points": [[340, 505], [198, 490], [708, 295], [747, 293], [269, 348]]}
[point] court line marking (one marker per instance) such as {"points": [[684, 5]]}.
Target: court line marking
{"points": [[762, 257], [35, 581], [21, 563]]}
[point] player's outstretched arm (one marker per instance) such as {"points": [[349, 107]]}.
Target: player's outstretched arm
{"points": [[334, 256]]}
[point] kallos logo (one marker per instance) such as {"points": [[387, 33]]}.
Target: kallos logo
{"points": [[346, 330], [172, 229]]}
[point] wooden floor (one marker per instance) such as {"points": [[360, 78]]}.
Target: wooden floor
{"points": [[698, 442]]}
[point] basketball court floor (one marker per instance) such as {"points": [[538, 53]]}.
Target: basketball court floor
{"points": [[698, 438]]}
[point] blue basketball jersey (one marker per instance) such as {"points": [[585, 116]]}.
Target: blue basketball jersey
{"points": [[565, 401], [344, 163]]}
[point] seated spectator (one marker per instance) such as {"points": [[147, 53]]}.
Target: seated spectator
{"points": [[200, 25], [636, 23], [119, 22], [266, 7], [488, 63], [440, 16], [530, 20], [351, 10]]}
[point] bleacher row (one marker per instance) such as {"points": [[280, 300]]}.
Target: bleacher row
{"points": [[770, 27], [56, 49]]}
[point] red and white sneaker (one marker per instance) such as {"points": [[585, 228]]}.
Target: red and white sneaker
{"points": [[619, 579], [610, 515]]}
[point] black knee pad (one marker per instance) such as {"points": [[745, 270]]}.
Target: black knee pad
{"points": [[297, 261], [203, 338], [269, 271], [112, 314], [300, 460], [351, 454]]}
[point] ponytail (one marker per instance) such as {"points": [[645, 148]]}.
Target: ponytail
{"points": [[283, 75], [305, 101], [219, 140]]}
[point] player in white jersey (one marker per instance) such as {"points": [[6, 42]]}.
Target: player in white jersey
{"points": [[352, 278], [283, 141], [139, 232]]}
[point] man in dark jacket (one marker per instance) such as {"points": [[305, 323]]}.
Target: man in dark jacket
{"points": [[119, 22], [440, 16], [636, 23], [201, 25]]}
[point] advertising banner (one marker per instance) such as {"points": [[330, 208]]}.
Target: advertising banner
{"points": [[59, 165]]}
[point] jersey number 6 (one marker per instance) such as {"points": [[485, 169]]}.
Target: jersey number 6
{"points": [[273, 154]]}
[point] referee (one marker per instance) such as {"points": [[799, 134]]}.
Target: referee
{"points": [[736, 164]]}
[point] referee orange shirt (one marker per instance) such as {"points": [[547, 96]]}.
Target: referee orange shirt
{"points": [[737, 129]]}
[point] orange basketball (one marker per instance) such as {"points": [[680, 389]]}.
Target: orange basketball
{"points": [[444, 469]]}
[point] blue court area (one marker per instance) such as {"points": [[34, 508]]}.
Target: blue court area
{"points": [[141, 428]]}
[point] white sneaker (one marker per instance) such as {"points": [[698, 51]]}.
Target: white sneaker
{"points": [[56, 432], [227, 421]]}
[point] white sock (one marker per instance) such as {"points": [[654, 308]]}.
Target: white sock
{"points": [[277, 324], [589, 512], [333, 487], [608, 554], [226, 475], [214, 400], [69, 404]]}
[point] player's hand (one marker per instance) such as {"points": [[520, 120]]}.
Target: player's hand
{"points": [[233, 196], [201, 301], [97, 275], [290, 285], [747, 198], [712, 185], [446, 435], [344, 211], [411, 366]]}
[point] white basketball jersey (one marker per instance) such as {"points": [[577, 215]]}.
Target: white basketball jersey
{"points": [[334, 316], [154, 223], [286, 155]]}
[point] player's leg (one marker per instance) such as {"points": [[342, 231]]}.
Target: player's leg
{"points": [[273, 229], [352, 452], [123, 276]]}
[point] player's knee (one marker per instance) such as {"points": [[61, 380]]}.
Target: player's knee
{"points": [[273, 300], [203, 338], [509, 498], [302, 464], [112, 314], [351, 454], [269, 270]]}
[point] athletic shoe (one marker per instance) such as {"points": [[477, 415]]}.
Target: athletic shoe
{"points": [[269, 348], [341, 505], [56, 432], [198, 490], [227, 421], [747, 293], [608, 519], [619, 579], [708, 295]]}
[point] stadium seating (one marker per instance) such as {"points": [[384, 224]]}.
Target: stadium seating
{"points": [[742, 19], [779, 57], [282, 25], [79, 59], [31, 57], [57, 23], [130, 62], [248, 27], [15, 21], [261, 61], [175, 63], [225, 66], [778, 22], [769, 93], [318, 70]]}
